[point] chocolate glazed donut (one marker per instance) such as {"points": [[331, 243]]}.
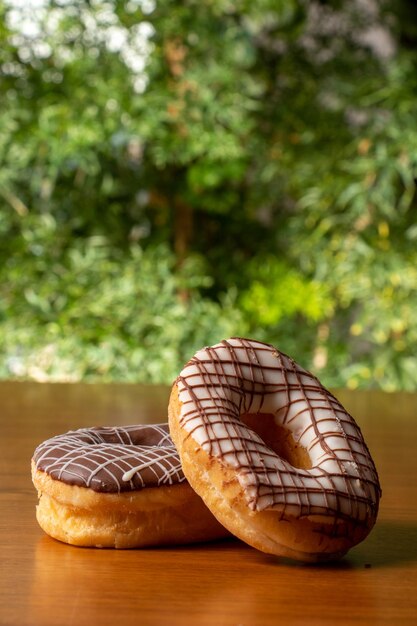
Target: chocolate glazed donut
{"points": [[119, 487], [272, 453]]}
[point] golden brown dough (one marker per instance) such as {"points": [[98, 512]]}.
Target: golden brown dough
{"points": [[149, 517]]}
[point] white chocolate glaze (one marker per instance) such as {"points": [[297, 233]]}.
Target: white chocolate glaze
{"points": [[241, 376]]}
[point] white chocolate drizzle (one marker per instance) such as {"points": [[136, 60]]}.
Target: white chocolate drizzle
{"points": [[112, 459]]}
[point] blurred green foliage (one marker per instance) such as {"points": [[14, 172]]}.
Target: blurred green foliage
{"points": [[173, 173]]}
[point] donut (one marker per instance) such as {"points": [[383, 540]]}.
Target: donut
{"points": [[273, 454], [118, 487]]}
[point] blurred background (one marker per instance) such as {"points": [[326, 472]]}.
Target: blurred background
{"points": [[173, 173]]}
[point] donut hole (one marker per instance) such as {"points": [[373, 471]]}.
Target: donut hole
{"points": [[278, 438]]}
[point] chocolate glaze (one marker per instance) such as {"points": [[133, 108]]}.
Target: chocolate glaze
{"points": [[241, 376], [99, 458]]}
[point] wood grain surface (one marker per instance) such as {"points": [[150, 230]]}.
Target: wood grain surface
{"points": [[44, 582]]}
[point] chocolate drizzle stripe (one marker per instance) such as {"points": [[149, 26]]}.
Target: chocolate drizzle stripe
{"points": [[112, 459], [240, 376]]}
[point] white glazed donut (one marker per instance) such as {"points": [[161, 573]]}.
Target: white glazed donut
{"points": [[272, 453]]}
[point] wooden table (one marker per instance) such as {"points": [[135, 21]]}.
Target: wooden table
{"points": [[44, 582]]}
